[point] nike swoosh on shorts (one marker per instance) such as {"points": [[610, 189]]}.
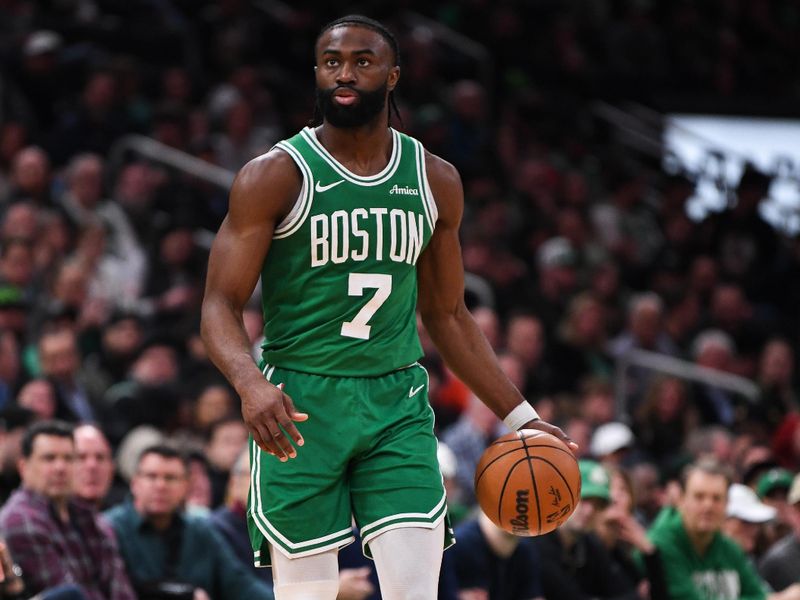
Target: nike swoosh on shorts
{"points": [[413, 391]]}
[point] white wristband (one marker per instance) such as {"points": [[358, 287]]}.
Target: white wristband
{"points": [[523, 413]]}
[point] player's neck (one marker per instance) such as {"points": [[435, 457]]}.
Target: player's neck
{"points": [[364, 150]]}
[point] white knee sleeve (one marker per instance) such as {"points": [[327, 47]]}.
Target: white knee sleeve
{"points": [[313, 577], [408, 562]]}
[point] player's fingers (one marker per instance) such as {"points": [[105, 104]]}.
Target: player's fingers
{"points": [[284, 447], [292, 415], [281, 437], [261, 437], [263, 432], [556, 431]]}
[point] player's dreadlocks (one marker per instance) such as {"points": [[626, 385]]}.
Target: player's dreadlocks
{"points": [[366, 22]]}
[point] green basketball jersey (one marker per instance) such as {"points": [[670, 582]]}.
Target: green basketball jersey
{"points": [[339, 283]]}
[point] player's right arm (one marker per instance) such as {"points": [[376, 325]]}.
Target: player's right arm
{"points": [[262, 194]]}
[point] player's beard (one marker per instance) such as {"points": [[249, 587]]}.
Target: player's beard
{"points": [[363, 111]]}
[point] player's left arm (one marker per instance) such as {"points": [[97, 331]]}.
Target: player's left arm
{"points": [[458, 338]]}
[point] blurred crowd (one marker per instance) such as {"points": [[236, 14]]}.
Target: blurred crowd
{"points": [[577, 251]]}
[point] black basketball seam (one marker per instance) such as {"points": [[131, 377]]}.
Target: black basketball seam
{"points": [[494, 460], [560, 474], [549, 446], [519, 439], [535, 488], [503, 489]]}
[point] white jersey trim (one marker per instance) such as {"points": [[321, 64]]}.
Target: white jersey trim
{"points": [[428, 203], [310, 136], [302, 206]]}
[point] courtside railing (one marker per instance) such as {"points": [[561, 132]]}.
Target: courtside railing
{"points": [[661, 363]]}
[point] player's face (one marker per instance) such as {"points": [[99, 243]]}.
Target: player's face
{"points": [[355, 71]]}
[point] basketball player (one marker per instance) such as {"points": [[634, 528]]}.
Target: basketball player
{"points": [[352, 226]]}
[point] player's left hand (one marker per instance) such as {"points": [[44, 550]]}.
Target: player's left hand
{"points": [[552, 430]]}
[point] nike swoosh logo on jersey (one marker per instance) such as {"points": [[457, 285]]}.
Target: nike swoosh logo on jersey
{"points": [[322, 188], [413, 391]]}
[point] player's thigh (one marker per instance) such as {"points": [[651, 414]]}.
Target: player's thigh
{"points": [[397, 482], [302, 506]]}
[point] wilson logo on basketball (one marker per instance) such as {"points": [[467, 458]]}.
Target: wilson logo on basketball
{"points": [[520, 522]]}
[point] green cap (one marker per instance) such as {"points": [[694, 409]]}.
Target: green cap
{"points": [[772, 480], [595, 482]]}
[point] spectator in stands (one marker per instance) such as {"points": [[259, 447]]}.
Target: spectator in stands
{"points": [[230, 519], [161, 544], [714, 349], [17, 265], [60, 362], [215, 402], [81, 199], [468, 438], [120, 340], [94, 123], [779, 564], [558, 281], [745, 516], [150, 394], [20, 221], [743, 242], [492, 563], [773, 487], [94, 468], [778, 387], [10, 366], [611, 443], [624, 536], [55, 539], [698, 560], [226, 440], [525, 338], [644, 331], [580, 350], [39, 396], [13, 423], [665, 418], [30, 178], [647, 491], [575, 564]]}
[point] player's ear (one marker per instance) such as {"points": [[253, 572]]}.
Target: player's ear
{"points": [[394, 76]]}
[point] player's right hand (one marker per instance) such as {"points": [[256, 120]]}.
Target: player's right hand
{"points": [[269, 414]]}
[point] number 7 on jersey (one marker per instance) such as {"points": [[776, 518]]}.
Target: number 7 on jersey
{"points": [[356, 284]]}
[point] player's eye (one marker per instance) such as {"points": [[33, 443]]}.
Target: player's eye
{"points": [[363, 62], [331, 62]]}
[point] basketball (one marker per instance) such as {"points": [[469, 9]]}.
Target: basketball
{"points": [[528, 482]]}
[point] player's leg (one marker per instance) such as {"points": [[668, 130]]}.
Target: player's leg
{"points": [[301, 508], [408, 561], [396, 487], [314, 577]]}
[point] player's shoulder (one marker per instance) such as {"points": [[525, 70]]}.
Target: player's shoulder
{"points": [[440, 171], [263, 168], [266, 185], [446, 188]]}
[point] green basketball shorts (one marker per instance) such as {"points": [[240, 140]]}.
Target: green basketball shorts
{"points": [[369, 455]]}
